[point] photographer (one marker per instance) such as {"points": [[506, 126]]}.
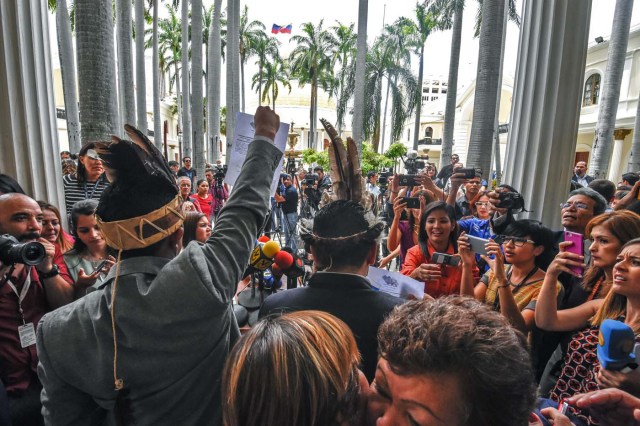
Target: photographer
{"points": [[324, 181], [26, 294], [218, 190], [289, 203]]}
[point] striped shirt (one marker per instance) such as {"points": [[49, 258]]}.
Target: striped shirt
{"points": [[75, 191]]}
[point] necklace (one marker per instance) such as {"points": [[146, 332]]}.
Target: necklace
{"points": [[524, 280]]}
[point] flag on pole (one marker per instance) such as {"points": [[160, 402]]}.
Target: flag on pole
{"points": [[275, 29]]}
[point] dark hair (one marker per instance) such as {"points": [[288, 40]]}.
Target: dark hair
{"points": [[423, 238], [631, 177], [9, 185], [465, 339], [620, 193], [343, 218], [199, 181], [371, 174], [185, 157], [604, 187], [318, 169], [472, 203], [600, 203], [539, 234], [508, 187], [634, 206], [81, 171], [81, 208], [190, 225], [173, 163], [64, 244], [209, 170], [300, 368]]}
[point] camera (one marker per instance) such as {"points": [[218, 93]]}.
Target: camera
{"points": [[220, 171], [511, 201], [12, 252], [310, 179]]}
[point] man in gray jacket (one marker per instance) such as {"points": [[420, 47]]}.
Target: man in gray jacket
{"points": [[148, 348]]}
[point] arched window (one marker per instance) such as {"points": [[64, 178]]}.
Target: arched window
{"points": [[591, 90], [428, 132]]}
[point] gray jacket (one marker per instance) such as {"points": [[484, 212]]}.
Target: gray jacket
{"points": [[174, 320]]}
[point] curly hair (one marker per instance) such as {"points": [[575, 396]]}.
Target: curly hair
{"points": [[300, 368], [464, 338]]}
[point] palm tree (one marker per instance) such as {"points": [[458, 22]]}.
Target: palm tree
{"points": [[186, 89], [427, 20], [274, 72], [397, 38], [360, 70], [311, 64], [344, 43], [250, 34], [141, 85], [266, 49], [233, 70], [214, 68], [381, 65], [603, 141], [68, 71], [125, 61], [196, 86], [96, 69], [157, 123], [486, 94], [634, 158], [169, 46]]}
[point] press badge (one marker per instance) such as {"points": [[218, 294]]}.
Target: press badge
{"points": [[27, 335]]}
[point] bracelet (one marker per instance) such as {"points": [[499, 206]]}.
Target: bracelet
{"points": [[52, 273], [505, 285]]}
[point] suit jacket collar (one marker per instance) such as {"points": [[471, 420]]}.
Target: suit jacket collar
{"points": [[136, 265], [339, 280]]}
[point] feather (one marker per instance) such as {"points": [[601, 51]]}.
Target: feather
{"points": [[355, 172], [338, 163], [153, 161]]}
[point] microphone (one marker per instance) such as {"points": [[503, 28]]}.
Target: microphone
{"points": [[291, 265], [263, 239], [261, 257], [617, 349]]}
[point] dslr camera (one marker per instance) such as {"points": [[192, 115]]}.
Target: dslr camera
{"points": [[310, 179], [511, 201], [12, 251]]}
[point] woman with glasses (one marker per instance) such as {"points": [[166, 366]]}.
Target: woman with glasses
{"points": [[437, 233], [511, 289]]}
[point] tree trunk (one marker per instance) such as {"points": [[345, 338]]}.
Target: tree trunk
{"points": [[496, 130], [341, 93], [125, 62], [361, 59], [259, 85], [452, 87], [313, 111], [634, 159], [178, 93], [484, 108], [157, 121], [610, 94], [141, 85], [233, 66], [68, 71], [384, 115], [196, 86], [214, 64], [186, 89], [243, 94], [96, 69], [416, 125]]}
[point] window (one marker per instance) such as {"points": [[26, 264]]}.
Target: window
{"points": [[591, 90], [408, 134], [435, 90], [443, 91], [425, 90], [428, 132], [433, 98]]}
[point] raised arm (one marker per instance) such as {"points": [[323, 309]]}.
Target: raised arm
{"points": [[393, 241]]}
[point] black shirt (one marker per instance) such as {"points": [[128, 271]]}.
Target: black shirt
{"points": [[290, 204]]}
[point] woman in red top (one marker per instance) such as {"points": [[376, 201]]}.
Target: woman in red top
{"points": [[438, 233], [53, 232], [203, 198]]}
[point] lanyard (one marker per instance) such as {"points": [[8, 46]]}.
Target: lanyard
{"points": [[496, 302], [22, 294], [88, 196]]}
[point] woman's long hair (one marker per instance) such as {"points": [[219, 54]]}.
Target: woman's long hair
{"points": [[190, 225], [81, 208], [614, 305], [81, 171], [64, 243], [625, 226], [423, 238]]}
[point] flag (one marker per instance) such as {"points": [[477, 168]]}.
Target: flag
{"points": [[275, 29]]}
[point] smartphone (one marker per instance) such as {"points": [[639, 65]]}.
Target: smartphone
{"points": [[445, 259], [101, 266], [412, 202], [478, 244], [408, 180], [577, 247], [468, 173]]}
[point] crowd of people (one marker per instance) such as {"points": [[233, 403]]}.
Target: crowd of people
{"points": [[128, 318]]}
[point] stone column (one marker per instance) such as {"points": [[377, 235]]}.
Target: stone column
{"points": [[29, 149], [546, 104], [615, 170]]}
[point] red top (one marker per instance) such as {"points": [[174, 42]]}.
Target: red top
{"points": [[449, 283], [18, 366], [59, 261], [204, 203]]}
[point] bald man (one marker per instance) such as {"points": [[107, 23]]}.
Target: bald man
{"points": [[26, 294]]}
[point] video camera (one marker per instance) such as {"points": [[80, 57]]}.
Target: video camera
{"points": [[220, 171], [310, 179], [511, 200], [413, 163], [12, 251]]}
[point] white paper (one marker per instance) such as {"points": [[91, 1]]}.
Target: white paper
{"points": [[242, 137], [395, 283]]}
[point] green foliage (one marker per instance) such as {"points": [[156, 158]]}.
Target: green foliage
{"points": [[312, 157], [371, 160], [395, 151]]}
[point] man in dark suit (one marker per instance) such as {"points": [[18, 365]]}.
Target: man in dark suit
{"points": [[580, 174], [343, 243]]}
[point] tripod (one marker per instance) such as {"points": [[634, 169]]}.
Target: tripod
{"points": [[218, 196]]}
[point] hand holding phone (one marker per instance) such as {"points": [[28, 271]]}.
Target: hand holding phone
{"points": [[478, 245], [100, 266], [445, 259], [408, 180], [412, 202], [577, 248]]}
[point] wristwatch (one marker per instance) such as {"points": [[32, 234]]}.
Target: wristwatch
{"points": [[52, 273]]}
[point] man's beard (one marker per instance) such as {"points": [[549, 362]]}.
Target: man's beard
{"points": [[30, 236]]}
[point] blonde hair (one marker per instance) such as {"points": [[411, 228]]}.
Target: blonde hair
{"points": [[300, 368]]}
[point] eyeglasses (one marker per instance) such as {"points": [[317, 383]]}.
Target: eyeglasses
{"points": [[187, 161], [482, 203], [577, 205], [517, 241]]}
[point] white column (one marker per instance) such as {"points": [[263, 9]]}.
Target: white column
{"points": [[29, 149], [546, 103], [615, 170]]}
